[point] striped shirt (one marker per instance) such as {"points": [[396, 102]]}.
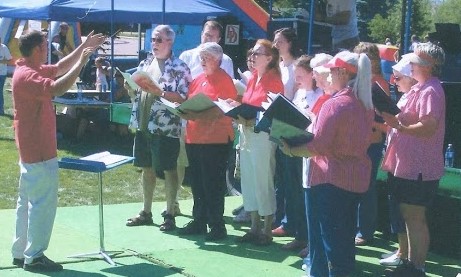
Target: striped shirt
{"points": [[407, 156], [342, 132]]}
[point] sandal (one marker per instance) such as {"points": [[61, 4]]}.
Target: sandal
{"points": [[168, 224], [263, 240], [248, 237], [142, 218]]}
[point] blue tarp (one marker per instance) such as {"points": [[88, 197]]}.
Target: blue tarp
{"points": [[127, 11]]}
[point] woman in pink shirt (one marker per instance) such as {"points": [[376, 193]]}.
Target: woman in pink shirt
{"points": [[339, 167], [414, 155]]}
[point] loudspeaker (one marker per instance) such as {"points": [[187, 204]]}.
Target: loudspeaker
{"points": [[449, 37], [321, 33]]}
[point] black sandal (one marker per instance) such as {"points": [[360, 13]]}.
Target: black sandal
{"points": [[168, 224], [142, 218], [248, 237], [263, 240]]}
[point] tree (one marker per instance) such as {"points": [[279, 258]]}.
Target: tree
{"points": [[367, 10], [448, 11], [381, 27]]}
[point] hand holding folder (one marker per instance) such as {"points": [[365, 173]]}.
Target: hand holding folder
{"points": [[244, 110], [382, 102], [197, 103], [146, 83], [293, 136], [284, 110]]}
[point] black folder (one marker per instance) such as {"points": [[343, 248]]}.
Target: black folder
{"points": [[382, 102], [293, 136], [246, 111], [284, 110]]}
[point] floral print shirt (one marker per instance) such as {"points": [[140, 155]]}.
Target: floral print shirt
{"points": [[176, 78]]}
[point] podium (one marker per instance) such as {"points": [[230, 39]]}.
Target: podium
{"points": [[97, 163]]}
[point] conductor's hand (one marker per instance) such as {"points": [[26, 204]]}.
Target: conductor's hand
{"points": [[94, 40], [86, 54]]}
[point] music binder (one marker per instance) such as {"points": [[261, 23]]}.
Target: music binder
{"points": [[246, 111], [197, 103], [284, 110], [382, 102], [293, 136], [145, 82]]}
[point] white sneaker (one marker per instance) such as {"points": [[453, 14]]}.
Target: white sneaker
{"points": [[393, 260], [242, 217], [387, 255]]}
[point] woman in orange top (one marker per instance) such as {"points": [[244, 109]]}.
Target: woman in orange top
{"points": [[209, 136]]}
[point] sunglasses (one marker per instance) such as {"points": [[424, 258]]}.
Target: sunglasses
{"points": [[158, 40]]}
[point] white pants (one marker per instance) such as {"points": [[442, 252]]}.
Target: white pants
{"points": [[257, 168], [36, 208]]}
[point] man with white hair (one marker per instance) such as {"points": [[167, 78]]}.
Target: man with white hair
{"points": [[156, 145]]}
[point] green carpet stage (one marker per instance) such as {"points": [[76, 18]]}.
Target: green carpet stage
{"points": [[149, 252]]}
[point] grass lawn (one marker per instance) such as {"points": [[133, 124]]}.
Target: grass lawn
{"points": [[121, 185]]}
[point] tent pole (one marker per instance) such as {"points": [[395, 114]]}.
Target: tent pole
{"points": [[139, 42], [408, 25], [163, 12], [311, 27], [403, 48], [50, 38], [112, 38], [270, 9]]}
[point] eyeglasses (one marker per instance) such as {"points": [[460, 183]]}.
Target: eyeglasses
{"points": [[206, 58], [158, 40], [257, 54]]}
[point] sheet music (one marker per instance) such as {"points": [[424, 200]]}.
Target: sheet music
{"points": [[105, 157], [128, 79]]}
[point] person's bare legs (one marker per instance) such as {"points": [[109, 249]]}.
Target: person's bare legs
{"points": [[181, 173], [171, 188], [255, 223], [268, 219], [402, 252], [418, 233], [149, 180]]}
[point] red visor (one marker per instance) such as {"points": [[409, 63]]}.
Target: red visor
{"points": [[337, 62]]}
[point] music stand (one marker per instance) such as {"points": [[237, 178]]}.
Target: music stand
{"points": [[99, 167]]}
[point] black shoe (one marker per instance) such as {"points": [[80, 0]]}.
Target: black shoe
{"points": [[42, 264], [193, 228], [216, 233], [18, 262], [168, 224]]}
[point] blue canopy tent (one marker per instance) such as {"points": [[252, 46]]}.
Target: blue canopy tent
{"points": [[130, 11]]}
